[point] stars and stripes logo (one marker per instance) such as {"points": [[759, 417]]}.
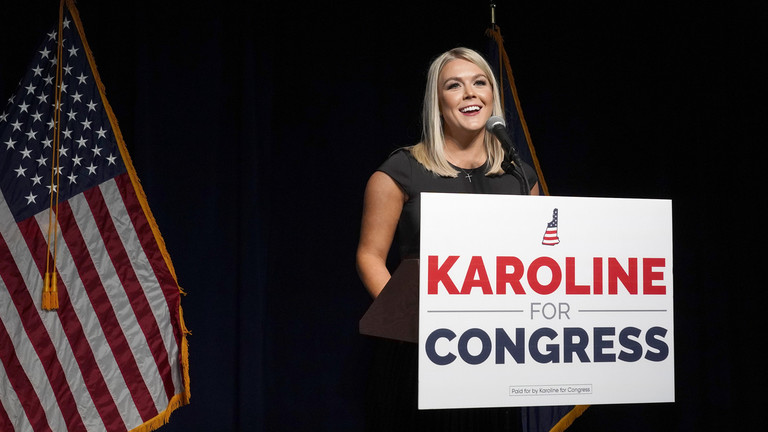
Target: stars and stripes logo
{"points": [[550, 235], [112, 356]]}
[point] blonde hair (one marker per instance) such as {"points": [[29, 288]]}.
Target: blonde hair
{"points": [[430, 152]]}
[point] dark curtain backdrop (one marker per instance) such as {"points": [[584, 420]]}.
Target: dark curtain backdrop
{"points": [[254, 126]]}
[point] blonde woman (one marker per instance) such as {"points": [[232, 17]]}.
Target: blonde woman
{"points": [[455, 155]]}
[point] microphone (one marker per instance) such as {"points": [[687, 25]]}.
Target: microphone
{"points": [[498, 128]]}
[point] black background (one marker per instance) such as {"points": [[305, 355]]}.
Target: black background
{"points": [[254, 126]]}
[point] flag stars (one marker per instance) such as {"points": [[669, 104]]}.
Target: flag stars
{"points": [[79, 156], [30, 198]]}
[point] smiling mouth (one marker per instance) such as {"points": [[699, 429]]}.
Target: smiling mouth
{"points": [[470, 109]]}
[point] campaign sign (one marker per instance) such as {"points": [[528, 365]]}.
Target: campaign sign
{"points": [[537, 300]]}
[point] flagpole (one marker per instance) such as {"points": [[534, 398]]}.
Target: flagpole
{"points": [[505, 68], [493, 15]]}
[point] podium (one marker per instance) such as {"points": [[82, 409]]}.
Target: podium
{"points": [[395, 312]]}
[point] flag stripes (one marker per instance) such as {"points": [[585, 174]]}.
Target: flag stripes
{"points": [[156, 302], [76, 311], [125, 320], [5, 418], [16, 378], [112, 309], [161, 269], [134, 293], [73, 344], [40, 341]]}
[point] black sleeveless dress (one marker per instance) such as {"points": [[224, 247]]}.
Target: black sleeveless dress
{"points": [[392, 393]]}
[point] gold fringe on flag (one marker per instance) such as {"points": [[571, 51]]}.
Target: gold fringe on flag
{"points": [[178, 400]]}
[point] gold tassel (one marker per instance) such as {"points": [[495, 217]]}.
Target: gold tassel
{"points": [[50, 292]]}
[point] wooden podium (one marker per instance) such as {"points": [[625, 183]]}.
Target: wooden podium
{"points": [[395, 312]]}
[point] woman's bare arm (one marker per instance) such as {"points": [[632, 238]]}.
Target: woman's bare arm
{"points": [[381, 210]]}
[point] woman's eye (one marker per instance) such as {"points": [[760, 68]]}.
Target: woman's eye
{"points": [[453, 85], [481, 82]]}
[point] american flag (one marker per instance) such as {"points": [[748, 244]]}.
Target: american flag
{"points": [[113, 356], [550, 235]]}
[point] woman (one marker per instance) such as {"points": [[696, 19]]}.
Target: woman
{"points": [[455, 155]]}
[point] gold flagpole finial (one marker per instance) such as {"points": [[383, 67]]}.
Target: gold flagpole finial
{"points": [[493, 14]]}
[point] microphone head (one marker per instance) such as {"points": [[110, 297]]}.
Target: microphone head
{"points": [[493, 122]]}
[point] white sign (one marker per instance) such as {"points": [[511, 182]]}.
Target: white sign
{"points": [[537, 300]]}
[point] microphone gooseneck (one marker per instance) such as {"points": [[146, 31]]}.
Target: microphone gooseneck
{"points": [[498, 128]]}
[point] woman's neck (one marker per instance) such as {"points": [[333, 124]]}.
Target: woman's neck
{"points": [[467, 153]]}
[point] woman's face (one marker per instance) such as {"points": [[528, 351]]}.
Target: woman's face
{"points": [[466, 98]]}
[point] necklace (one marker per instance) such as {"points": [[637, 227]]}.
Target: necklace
{"points": [[468, 174]]}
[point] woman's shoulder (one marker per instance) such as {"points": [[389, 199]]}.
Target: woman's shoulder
{"points": [[400, 165], [400, 158], [401, 153]]}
